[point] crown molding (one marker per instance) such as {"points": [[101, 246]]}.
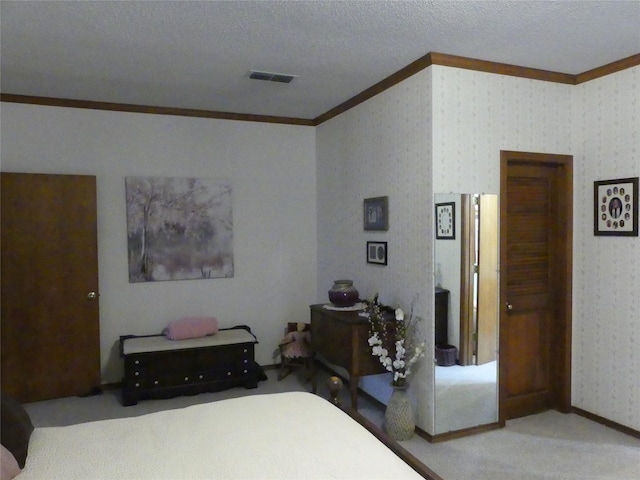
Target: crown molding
{"points": [[124, 107], [432, 58], [390, 81], [613, 67], [445, 60], [500, 68]]}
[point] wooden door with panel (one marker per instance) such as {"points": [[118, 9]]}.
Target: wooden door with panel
{"points": [[50, 309], [535, 326]]}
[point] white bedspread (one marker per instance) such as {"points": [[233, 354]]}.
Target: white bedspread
{"points": [[466, 396], [293, 435]]}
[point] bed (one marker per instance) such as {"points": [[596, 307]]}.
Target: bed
{"points": [[466, 396], [293, 435]]}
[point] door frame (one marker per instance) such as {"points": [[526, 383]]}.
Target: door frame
{"points": [[562, 343], [467, 261]]}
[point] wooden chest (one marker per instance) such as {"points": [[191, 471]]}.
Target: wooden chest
{"points": [[156, 367]]}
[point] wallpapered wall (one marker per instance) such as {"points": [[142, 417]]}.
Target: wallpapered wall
{"points": [[382, 147], [272, 171], [476, 114], [446, 266], [446, 127], [606, 315]]}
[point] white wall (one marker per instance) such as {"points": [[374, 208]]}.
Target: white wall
{"points": [[606, 295], [272, 170], [382, 147]]}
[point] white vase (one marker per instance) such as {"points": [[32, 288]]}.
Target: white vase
{"points": [[399, 418]]}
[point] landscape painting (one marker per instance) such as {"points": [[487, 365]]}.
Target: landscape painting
{"points": [[179, 228]]}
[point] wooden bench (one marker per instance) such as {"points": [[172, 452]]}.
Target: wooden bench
{"points": [[156, 367]]}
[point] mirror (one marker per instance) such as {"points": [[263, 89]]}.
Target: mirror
{"points": [[466, 310]]}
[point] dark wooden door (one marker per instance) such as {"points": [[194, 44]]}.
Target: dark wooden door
{"points": [[50, 319], [535, 321]]}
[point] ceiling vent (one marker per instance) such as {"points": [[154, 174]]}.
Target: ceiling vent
{"points": [[271, 77]]}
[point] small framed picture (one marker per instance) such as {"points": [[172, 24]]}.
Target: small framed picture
{"points": [[446, 221], [376, 213], [377, 253], [615, 204]]}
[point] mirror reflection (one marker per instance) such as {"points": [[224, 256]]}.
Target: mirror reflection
{"points": [[466, 310]]}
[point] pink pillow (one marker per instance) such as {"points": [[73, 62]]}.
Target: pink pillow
{"points": [[191, 327], [9, 465]]}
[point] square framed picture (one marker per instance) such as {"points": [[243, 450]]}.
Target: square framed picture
{"points": [[615, 204], [376, 213], [377, 253], [446, 221]]}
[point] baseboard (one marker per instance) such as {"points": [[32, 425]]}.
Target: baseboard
{"points": [[465, 432], [424, 435], [606, 422]]}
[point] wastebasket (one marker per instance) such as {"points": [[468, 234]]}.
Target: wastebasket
{"points": [[446, 355]]}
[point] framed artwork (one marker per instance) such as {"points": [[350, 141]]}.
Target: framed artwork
{"points": [[376, 213], [446, 221], [377, 253], [615, 204], [166, 243]]}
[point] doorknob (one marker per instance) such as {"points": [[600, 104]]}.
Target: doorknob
{"points": [[509, 306], [92, 295]]}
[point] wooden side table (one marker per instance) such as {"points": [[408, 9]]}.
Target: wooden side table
{"points": [[341, 338]]}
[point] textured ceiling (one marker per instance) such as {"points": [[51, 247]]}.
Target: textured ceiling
{"points": [[196, 54]]}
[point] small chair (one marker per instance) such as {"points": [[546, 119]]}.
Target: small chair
{"points": [[295, 349]]}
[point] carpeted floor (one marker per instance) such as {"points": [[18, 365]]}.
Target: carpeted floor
{"points": [[465, 396], [547, 446], [550, 445]]}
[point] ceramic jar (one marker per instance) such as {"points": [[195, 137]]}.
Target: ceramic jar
{"points": [[343, 293]]}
